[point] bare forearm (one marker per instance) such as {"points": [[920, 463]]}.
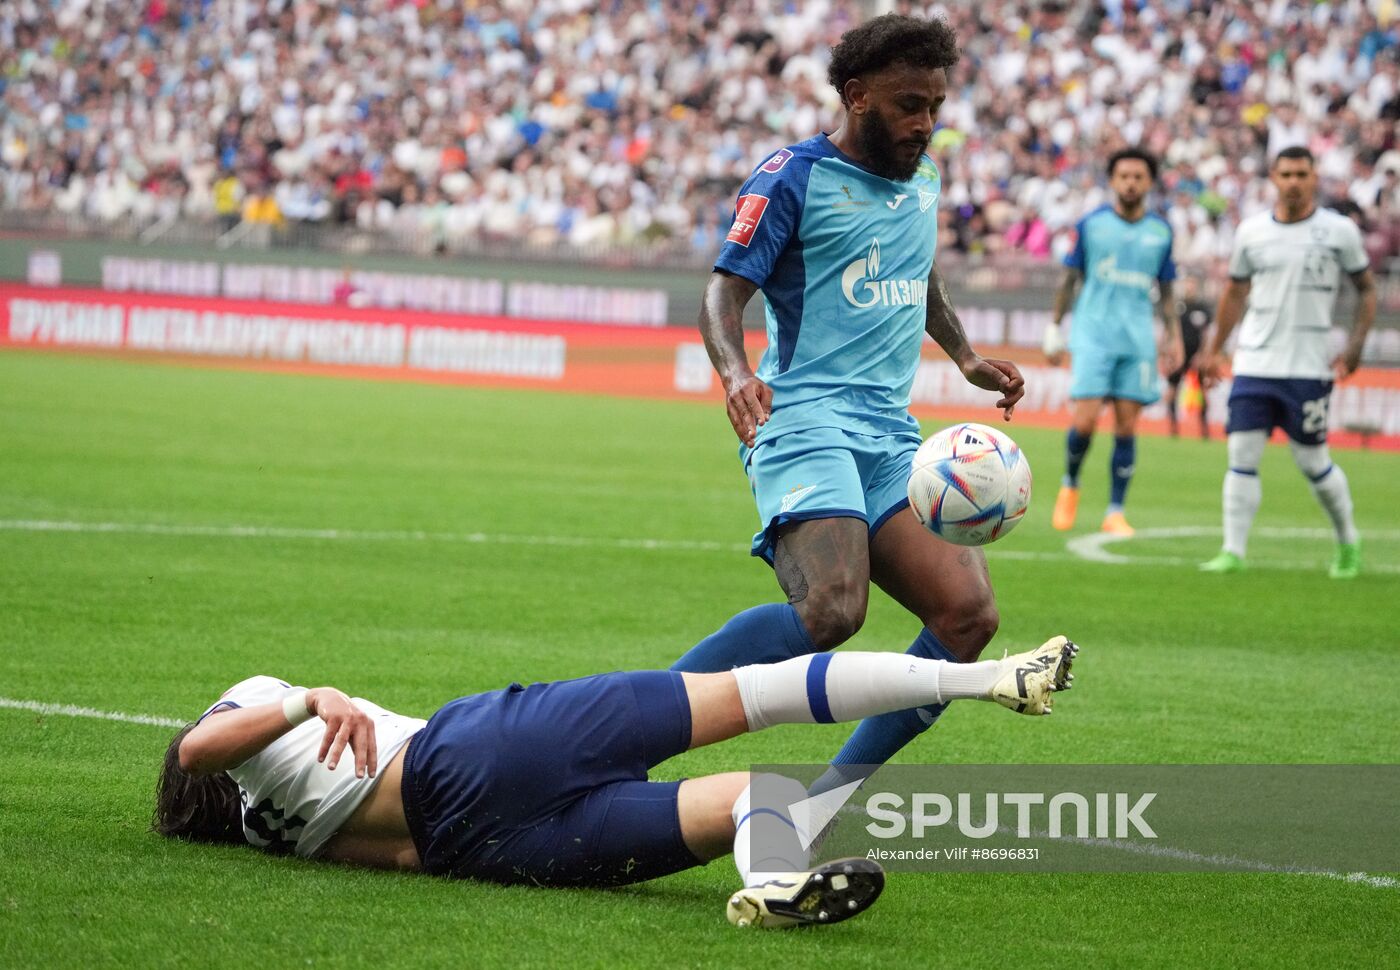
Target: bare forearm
{"points": [[942, 323], [1365, 313], [1171, 318], [722, 324], [1228, 315], [1064, 296], [226, 739]]}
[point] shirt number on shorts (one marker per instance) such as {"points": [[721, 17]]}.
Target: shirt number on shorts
{"points": [[1315, 416]]}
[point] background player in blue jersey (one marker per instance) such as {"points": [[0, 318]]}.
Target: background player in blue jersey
{"points": [[1122, 254], [839, 232], [547, 784]]}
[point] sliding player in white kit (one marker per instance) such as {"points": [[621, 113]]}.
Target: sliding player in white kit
{"points": [[1287, 263]]}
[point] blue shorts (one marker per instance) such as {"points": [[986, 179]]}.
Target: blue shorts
{"points": [[1298, 405], [822, 473], [1124, 377], [547, 785]]}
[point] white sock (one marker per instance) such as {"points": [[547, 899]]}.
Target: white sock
{"points": [[827, 687], [1242, 495], [766, 842], [1334, 494], [1242, 491], [1329, 484]]}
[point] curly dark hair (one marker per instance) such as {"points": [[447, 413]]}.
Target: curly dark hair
{"points": [[1133, 154], [887, 40], [198, 808]]}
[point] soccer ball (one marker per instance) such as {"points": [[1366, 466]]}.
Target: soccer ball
{"points": [[970, 485]]}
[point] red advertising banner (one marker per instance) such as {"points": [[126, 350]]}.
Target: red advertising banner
{"points": [[564, 355]]}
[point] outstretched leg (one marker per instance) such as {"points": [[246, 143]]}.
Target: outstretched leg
{"points": [[826, 688]]}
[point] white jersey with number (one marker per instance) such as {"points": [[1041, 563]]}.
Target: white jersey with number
{"points": [[1295, 270], [292, 803]]}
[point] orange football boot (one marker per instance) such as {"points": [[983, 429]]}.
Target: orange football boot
{"points": [[1116, 524], [1066, 508]]}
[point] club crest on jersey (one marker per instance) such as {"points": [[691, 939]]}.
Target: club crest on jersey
{"points": [[747, 215], [776, 163], [926, 199], [865, 274], [795, 495]]}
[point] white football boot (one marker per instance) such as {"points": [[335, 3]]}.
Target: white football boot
{"points": [[832, 892], [1030, 679]]}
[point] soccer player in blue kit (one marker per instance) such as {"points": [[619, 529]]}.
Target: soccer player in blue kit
{"points": [[839, 232], [1123, 252]]}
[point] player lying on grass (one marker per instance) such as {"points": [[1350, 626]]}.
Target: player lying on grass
{"points": [[547, 784]]}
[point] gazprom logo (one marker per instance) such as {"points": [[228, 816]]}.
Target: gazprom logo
{"points": [[863, 287], [1107, 270]]}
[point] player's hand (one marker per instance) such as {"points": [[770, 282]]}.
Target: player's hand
{"points": [[996, 375], [1212, 367], [1052, 344], [749, 402], [346, 724], [1173, 354], [1345, 363]]}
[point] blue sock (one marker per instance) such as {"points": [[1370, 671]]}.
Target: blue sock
{"points": [[876, 739], [1076, 447], [763, 635], [1121, 469]]}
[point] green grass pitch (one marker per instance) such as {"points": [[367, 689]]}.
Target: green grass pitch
{"points": [[528, 566]]}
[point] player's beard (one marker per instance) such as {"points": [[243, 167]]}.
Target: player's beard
{"points": [[878, 146]]}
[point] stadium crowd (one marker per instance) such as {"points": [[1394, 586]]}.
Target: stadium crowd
{"points": [[631, 121]]}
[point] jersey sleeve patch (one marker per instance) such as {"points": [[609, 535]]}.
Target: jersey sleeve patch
{"points": [[775, 164], [747, 215]]}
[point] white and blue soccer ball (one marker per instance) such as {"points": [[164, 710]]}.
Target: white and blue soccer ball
{"points": [[971, 484]]}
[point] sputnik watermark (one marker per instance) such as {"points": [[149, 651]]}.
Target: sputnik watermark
{"points": [[1107, 814]]}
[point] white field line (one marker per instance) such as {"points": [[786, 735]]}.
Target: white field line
{"points": [[352, 535], [1094, 547], [73, 710]]}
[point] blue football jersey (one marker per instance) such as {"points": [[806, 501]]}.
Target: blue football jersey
{"points": [[843, 258], [1121, 261]]}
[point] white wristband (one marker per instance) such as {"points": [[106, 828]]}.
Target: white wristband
{"points": [[294, 708]]}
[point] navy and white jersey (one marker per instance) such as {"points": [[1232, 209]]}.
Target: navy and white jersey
{"points": [[843, 258], [1294, 269], [292, 803], [1122, 262]]}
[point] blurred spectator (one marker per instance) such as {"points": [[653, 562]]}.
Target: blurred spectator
{"points": [[634, 122]]}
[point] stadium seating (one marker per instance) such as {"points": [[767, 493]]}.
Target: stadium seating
{"points": [[557, 123]]}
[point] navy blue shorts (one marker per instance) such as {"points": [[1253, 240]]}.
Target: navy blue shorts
{"points": [[547, 785], [1295, 404]]}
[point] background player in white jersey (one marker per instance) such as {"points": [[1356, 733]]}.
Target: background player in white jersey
{"points": [[1122, 254], [547, 785], [1287, 264], [840, 233]]}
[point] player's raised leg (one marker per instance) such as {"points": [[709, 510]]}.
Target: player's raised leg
{"points": [[1077, 441], [770, 850]]}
